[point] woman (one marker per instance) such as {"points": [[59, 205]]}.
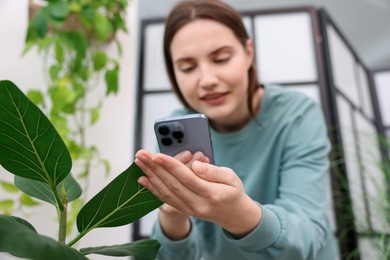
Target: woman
{"points": [[265, 197]]}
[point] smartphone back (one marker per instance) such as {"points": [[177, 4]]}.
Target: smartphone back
{"points": [[188, 132]]}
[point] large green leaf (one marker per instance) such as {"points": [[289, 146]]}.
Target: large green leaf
{"points": [[43, 191], [121, 202], [30, 146], [139, 250], [18, 238]]}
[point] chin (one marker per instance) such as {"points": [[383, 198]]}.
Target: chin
{"points": [[218, 117]]}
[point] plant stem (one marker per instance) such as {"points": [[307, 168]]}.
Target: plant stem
{"points": [[63, 218], [77, 238], [58, 199]]}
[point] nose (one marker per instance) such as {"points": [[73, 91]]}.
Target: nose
{"points": [[208, 77]]}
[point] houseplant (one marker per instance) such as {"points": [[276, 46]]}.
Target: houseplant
{"points": [[32, 150], [365, 196], [74, 39]]}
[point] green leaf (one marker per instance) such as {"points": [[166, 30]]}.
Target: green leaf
{"points": [[42, 191], [94, 113], [19, 240], [75, 7], [103, 27], [78, 88], [30, 146], [99, 60], [62, 97], [75, 149], [120, 23], [111, 78], [29, 44], [58, 9], [60, 123], [142, 249], [31, 36], [27, 200], [88, 152], [39, 24], [88, 13], [35, 96], [77, 42], [54, 71], [59, 53], [6, 205], [35, 189], [24, 223], [121, 202], [119, 47], [107, 167], [9, 187]]}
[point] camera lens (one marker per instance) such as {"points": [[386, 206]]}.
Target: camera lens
{"points": [[166, 141], [163, 130], [178, 135]]}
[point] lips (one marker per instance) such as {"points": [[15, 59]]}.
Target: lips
{"points": [[214, 98]]}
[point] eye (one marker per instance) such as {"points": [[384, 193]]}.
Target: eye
{"points": [[187, 69], [221, 59]]}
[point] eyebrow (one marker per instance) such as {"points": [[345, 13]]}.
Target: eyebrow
{"points": [[222, 48]]}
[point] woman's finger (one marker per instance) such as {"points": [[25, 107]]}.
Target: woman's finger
{"points": [[215, 174], [163, 182]]}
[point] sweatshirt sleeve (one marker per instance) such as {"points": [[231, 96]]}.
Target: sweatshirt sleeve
{"points": [[187, 248], [295, 225]]}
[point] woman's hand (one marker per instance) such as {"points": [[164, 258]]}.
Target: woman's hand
{"points": [[194, 187], [174, 223]]}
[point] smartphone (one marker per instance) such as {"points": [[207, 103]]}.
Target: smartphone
{"points": [[188, 132]]}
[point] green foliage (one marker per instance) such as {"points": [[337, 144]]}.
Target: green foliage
{"points": [[37, 152], [43, 191], [20, 239], [32, 150], [138, 249], [365, 202], [71, 35]]}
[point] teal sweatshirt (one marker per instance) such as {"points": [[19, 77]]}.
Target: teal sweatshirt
{"points": [[282, 160]]}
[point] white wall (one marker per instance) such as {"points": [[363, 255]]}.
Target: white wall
{"points": [[114, 132], [382, 82]]}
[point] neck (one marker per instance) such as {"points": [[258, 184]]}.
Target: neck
{"points": [[243, 121]]}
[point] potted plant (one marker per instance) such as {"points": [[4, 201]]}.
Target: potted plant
{"points": [[32, 150]]}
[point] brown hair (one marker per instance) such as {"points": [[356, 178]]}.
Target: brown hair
{"points": [[189, 10]]}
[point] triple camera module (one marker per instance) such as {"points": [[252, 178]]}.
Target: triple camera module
{"points": [[171, 133]]}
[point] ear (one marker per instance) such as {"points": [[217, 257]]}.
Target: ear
{"points": [[249, 49]]}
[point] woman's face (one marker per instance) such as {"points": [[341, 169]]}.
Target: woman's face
{"points": [[211, 69]]}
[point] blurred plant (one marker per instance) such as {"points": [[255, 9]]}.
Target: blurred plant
{"points": [[366, 200], [32, 149], [71, 37]]}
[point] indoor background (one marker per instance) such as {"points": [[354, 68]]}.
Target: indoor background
{"points": [[363, 23]]}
